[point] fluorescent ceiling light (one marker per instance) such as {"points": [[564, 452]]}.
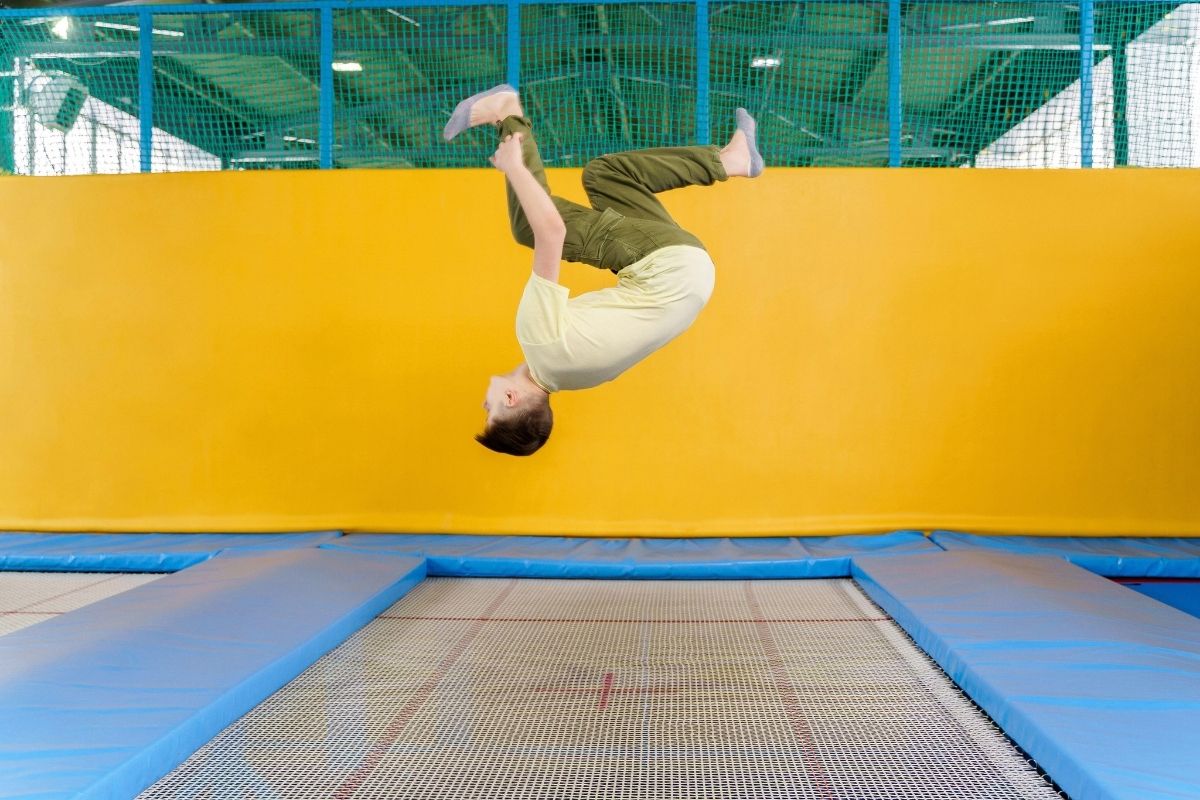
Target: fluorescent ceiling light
{"points": [[61, 27], [271, 159], [121, 26], [347, 66], [123, 53], [1012, 21], [407, 19], [991, 23], [765, 62]]}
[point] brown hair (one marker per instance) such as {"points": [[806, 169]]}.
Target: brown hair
{"points": [[522, 433]]}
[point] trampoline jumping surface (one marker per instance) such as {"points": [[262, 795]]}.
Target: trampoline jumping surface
{"points": [[485, 688], [27, 598]]}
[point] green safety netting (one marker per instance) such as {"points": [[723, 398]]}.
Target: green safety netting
{"points": [[979, 83]]}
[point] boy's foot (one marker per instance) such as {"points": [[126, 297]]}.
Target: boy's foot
{"points": [[741, 156], [493, 106]]}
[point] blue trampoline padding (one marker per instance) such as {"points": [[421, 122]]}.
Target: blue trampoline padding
{"points": [[1184, 596], [136, 552], [1100, 685], [692, 559], [1114, 557], [101, 702]]}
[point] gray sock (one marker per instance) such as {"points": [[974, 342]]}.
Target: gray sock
{"points": [[747, 125], [460, 120]]}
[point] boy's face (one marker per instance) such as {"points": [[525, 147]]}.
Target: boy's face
{"points": [[500, 395]]}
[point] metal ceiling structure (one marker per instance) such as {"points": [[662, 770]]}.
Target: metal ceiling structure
{"points": [[245, 84]]}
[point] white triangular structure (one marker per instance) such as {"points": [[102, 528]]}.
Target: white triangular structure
{"points": [[1162, 103]]}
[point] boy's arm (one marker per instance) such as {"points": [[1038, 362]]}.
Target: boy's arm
{"points": [[549, 230]]}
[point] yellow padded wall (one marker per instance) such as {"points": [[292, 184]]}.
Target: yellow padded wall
{"points": [[1005, 351]]}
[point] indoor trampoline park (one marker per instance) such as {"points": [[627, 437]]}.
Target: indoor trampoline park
{"points": [[871, 330]]}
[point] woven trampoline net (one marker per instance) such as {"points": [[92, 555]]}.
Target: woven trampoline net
{"points": [[554, 689], [963, 83], [27, 598]]}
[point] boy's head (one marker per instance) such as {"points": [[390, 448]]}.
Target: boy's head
{"points": [[519, 418]]}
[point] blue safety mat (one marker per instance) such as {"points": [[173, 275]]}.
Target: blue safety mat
{"points": [[691, 559], [1184, 596], [1114, 557], [101, 702], [136, 552], [1100, 685]]}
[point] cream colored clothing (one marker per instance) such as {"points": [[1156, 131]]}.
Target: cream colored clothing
{"points": [[580, 342]]}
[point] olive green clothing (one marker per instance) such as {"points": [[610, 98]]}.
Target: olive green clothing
{"points": [[664, 275], [626, 222]]}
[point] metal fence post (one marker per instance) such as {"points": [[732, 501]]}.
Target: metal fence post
{"points": [[325, 102], [1087, 40], [513, 47], [8, 99], [146, 89], [895, 111], [703, 109], [1120, 79]]}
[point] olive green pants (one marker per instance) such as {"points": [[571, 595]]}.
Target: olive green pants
{"points": [[626, 222]]}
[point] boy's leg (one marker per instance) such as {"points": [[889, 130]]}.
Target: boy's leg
{"points": [[578, 219], [627, 182]]}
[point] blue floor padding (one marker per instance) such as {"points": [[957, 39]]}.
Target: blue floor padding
{"points": [[1100, 685], [692, 559], [1113, 557], [1184, 596], [137, 552], [101, 702]]}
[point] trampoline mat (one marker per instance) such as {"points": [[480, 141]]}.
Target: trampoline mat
{"points": [[487, 688], [30, 597]]}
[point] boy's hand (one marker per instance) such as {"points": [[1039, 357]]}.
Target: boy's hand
{"points": [[508, 154]]}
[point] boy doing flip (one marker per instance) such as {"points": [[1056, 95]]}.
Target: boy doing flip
{"points": [[664, 274]]}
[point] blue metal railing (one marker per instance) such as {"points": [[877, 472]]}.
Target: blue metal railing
{"points": [[325, 105], [702, 62], [513, 44], [895, 108], [146, 88], [325, 9], [1087, 39]]}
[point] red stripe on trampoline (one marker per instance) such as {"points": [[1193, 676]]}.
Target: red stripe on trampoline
{"points": [[64, 594], [612, 690], [640, 690], [608, 682], [791, 701], [399, 722], [633, 621]]}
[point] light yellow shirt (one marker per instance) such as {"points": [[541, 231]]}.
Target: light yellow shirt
{"points": [[580, 342]]}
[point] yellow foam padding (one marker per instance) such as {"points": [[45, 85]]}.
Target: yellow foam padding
{"points": [[998, 351]]}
